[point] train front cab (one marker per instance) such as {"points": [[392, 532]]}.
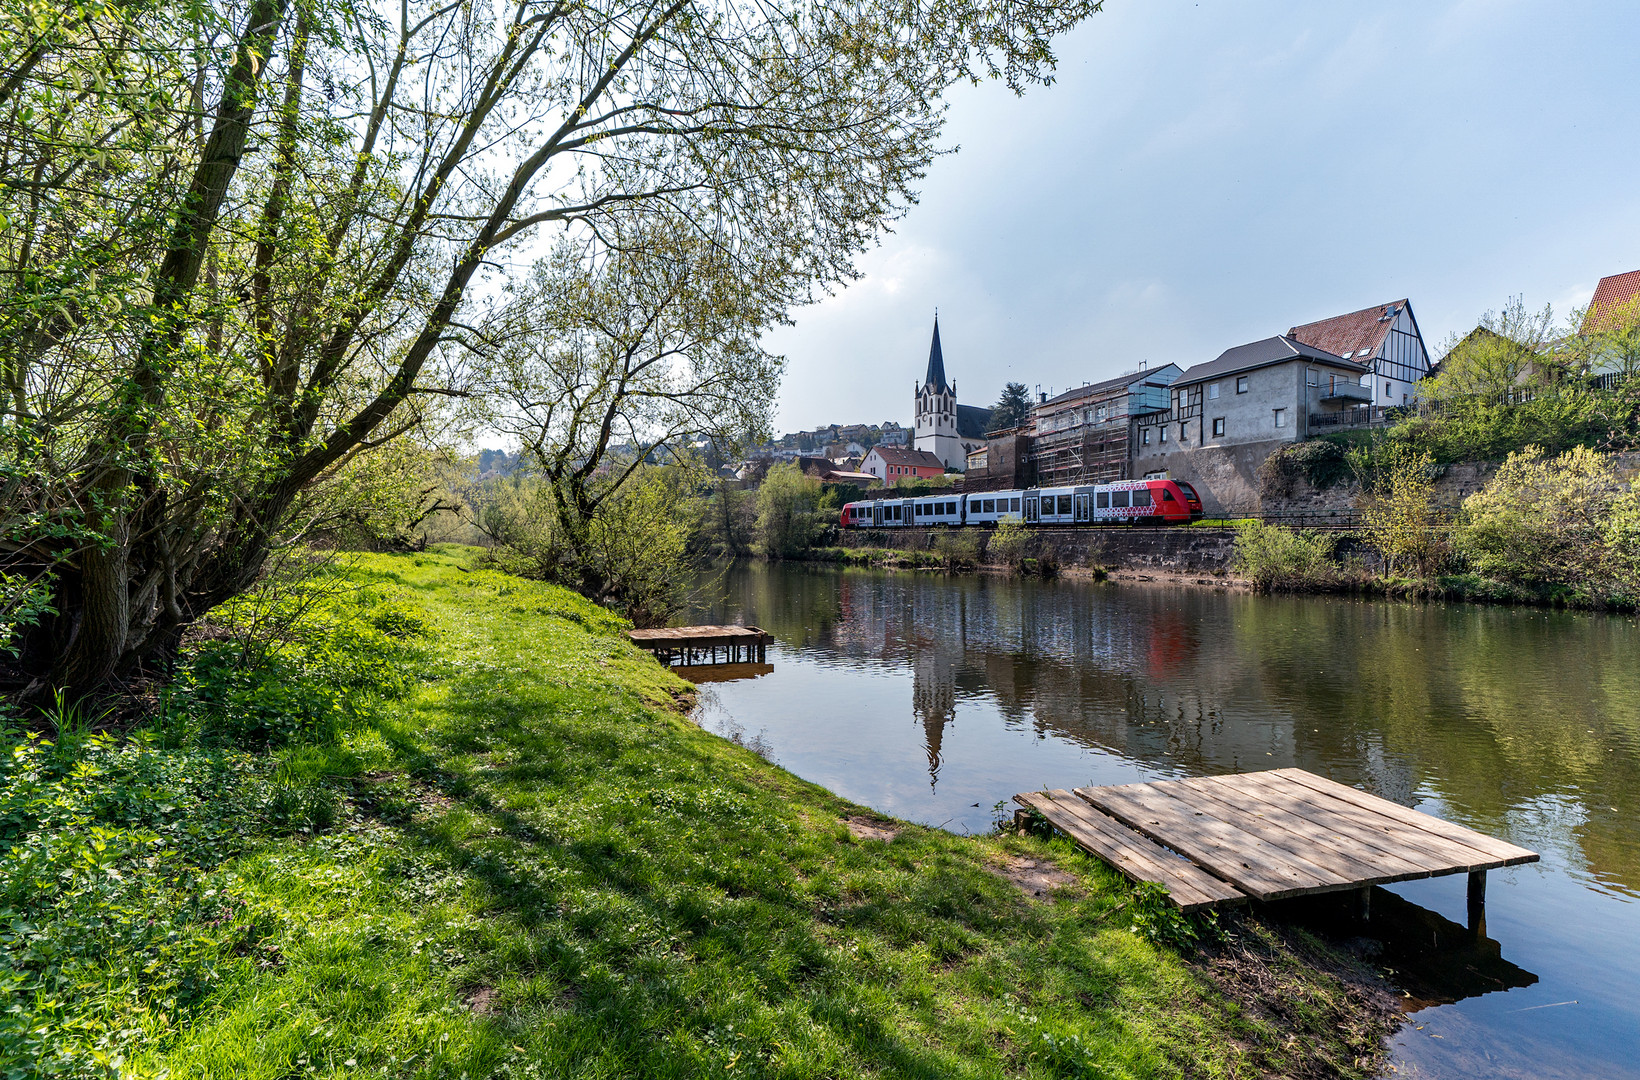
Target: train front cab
{"points": [[1176, 502]]}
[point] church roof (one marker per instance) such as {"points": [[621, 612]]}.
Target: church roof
{"points": [[936, 363], [972, 421]]}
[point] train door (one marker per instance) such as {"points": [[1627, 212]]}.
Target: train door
{"points": [[877, 513], [1084, 512], [909, 515], [1031, 515]]}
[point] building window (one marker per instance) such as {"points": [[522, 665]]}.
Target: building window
{"points": [[1161, 433], [1184, 433], [1388, 390], [1241, 384], [1101, 414], [1213, 391], [1218, 426], [1281, 418], [1144, 438]]}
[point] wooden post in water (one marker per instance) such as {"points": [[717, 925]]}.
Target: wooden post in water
{"points": [[1477, 901]]}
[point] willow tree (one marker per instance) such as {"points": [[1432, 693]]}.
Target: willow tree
{"points": [[240, 237]]}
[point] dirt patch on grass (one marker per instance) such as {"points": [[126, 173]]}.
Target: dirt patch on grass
{"points": [[480, 1001], [1035, 877], [1281, 976], [864, 828]]}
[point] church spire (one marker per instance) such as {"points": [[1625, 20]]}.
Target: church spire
{"points": [[936, 363]]}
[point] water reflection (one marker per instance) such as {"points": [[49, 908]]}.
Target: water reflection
{"points": [[1435, 960], [1510, 720], [933, 698]]}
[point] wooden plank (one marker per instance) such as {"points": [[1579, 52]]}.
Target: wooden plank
{"points": [[1187, 885], [1260, 869], [1497, 852], [1277, 820], [1370, 830]]}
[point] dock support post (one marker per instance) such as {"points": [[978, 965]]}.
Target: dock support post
{"points": [[1477, 901], [1364, 903]]}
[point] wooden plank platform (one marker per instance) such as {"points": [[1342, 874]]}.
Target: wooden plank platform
{"points": [[1189, 886], [704, 644], [1268, 835]]}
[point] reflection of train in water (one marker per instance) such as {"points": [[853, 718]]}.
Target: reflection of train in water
{"points": [[1129, 502]]}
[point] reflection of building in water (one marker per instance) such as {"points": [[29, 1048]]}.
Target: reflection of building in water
{"points": [[934, 699]]}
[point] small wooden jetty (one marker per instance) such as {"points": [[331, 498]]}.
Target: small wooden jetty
{"points": [[679, 645], [1219, 840]]}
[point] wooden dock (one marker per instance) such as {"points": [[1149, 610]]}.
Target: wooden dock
{"points": [[680, 645], [1218, 840]]}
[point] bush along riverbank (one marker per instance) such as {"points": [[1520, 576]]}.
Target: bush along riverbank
{"points": [[450, 823], [1558, 530]]}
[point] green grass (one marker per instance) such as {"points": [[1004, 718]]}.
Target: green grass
{"points": [[460, 828]]}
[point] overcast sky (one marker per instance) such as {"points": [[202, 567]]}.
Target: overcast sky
{"points": [[1206, 174]]}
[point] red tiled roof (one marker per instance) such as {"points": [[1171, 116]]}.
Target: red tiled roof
{"points": [[1346, 335], [1613, 290], [897, 455]]}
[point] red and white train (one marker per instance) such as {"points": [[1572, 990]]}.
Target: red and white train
{"points": [[1128, 502]]}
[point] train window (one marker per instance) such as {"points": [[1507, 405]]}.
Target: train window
{"points": [[1118, 498], [1064, 504], [1102, 500], [1189, 492], [989, 506], [1013, 504], [1141, 497], [951, 507], [1167, 496]]}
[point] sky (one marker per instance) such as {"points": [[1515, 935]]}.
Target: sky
{"points": [[1202, 175]]}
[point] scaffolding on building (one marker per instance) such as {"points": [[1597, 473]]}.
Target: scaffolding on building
{"points": [[1085, 436]]}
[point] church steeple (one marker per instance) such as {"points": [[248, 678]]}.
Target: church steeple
{"points": [[936, 363]]}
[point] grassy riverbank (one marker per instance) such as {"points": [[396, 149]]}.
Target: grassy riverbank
{"points": [[457, 826]]}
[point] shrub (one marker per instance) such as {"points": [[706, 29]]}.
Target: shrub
{"points": [[1400, 516], [957, 548], [787, 519], [1542, 521], [1275, 559], [1008, 541], [1321, 463]]}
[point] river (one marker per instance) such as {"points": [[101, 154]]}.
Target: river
{"points": [[934, 698]]}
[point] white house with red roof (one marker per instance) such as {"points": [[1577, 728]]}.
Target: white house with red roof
{"points": [[1385, 338]]}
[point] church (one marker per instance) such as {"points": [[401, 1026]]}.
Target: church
{"points": [[944, 428]]}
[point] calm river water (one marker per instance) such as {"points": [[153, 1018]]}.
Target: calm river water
{"points": [[934, 698]]}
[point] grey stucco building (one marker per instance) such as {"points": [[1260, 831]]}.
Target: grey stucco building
{"points": [[1232, 412]]}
